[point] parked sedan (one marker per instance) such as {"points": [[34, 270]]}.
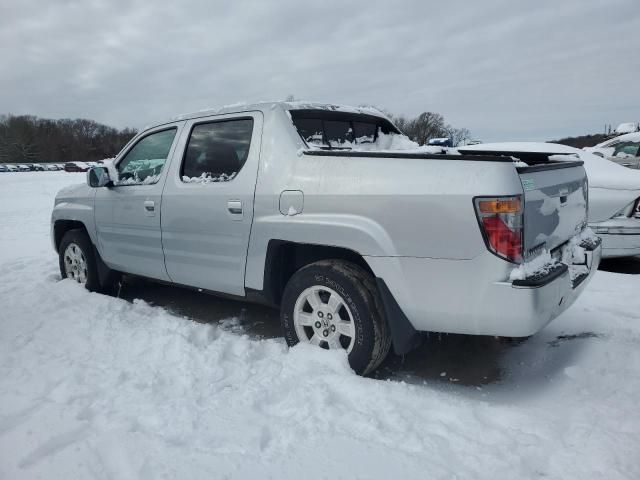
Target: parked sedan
{"points": [[3, 168], [23, 168], [614, 192], [76, 167], [624, 150]]}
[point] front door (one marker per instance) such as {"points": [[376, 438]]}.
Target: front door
{"points": [[207, 205], [128, 213]]}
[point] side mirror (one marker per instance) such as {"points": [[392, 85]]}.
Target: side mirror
{"points": [[98, 177]]}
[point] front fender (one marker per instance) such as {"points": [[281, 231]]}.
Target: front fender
{"points": [[74, 210]]}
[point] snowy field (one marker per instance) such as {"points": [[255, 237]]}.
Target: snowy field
{"points": [[95, 387]]}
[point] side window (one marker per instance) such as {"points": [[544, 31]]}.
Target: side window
{"points": [[216, 151], [625, 149], [143, 164]]}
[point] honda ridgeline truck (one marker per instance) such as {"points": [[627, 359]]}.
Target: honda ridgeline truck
{"points": [[361, 239]]}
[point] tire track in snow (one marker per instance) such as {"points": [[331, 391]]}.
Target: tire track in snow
{"points": [[54, 445]]}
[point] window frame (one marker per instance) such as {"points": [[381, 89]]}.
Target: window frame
{"points": [[135, 142], [183, 157]]}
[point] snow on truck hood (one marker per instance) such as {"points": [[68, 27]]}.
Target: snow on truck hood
{"points": [[602, 173]]}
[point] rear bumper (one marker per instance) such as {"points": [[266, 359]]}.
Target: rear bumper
{"points": [[456, 296], [620, 237]]}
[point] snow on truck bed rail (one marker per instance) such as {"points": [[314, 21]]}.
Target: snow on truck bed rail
{"points": [[93, 386]]}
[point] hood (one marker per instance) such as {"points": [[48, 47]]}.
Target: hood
{"points": [[602, 173]]}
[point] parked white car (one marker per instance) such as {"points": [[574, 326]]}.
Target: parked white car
{"points": [[623, 149], [614, 192], [628, 127]]}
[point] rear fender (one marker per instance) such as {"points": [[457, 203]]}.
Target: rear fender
{"points": [[358, 234]]}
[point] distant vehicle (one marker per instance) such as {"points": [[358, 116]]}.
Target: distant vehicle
{"points": [[51, 167], [471, 142], [614, 193], [441, 142], [629, 127], [623, 149], [23, 168], [3, 168], [360, 244], [36, 167], [76, 167], [11, 168]]}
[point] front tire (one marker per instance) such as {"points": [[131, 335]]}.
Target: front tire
{"points": [[77, 260], [335, 304]]}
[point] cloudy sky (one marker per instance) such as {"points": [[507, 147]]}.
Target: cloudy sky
{"points": [[505, 69]]}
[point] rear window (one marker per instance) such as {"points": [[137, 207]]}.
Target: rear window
{"points": [[330, 129]]}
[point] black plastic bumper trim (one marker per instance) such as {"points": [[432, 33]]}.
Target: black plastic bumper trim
{"points": [[542, 280]]}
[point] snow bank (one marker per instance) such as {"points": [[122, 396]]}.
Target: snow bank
{"points": [[96, 387]]}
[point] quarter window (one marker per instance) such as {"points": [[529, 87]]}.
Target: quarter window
{"points": [[217, 151], [142, 165]]}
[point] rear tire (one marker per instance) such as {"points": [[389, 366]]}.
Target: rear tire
{"points": [[336, 304]]}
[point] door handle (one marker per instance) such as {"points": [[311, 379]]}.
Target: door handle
{"points": [[234, 207], [150, 206]]}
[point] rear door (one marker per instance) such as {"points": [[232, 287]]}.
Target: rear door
{"points": [[128, 214], [207, 205]]}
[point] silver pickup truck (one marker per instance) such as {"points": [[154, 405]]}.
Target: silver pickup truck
{"points": [[362, 239]]}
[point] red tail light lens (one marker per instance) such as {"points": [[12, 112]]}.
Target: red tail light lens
{"points": [[500, 220]]}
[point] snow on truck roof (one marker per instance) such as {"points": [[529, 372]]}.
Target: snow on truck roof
{"points": [[294, 105]]}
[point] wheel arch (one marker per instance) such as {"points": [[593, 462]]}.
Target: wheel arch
{"points": [[284, 258], [60, 227]]}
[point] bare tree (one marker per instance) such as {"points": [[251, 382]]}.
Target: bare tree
{"points": [[429, 125]]}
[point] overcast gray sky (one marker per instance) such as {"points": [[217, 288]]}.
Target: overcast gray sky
{"points": [[507, 70]]}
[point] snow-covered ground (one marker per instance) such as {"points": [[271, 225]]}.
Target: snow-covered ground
{"points": [[99, 387]]}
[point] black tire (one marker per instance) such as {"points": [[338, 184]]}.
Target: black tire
{"points": [[83, 242], [359, 291]]}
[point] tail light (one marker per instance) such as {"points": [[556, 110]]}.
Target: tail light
{"points": [[500, 220]]}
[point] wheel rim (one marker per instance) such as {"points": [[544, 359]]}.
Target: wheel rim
{"points": [[321, 317], [75, 263]]}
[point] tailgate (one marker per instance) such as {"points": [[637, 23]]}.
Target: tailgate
{"points": [[555, 204]]}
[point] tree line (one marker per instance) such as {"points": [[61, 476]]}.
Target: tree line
{"points": [[29, 139], [429, 125]]}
